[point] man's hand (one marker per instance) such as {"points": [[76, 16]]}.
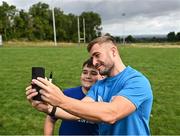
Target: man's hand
{"points": [[39, 105], [50, 93]]}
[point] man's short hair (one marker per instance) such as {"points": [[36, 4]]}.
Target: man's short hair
{"points": [[100, 40], [89, 63]]}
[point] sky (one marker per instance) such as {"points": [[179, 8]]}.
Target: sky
{"points": [[121, 17]]}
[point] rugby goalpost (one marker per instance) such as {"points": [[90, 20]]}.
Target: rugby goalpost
{"points": [[78, 26], [84, 31], [0, 40], [54, 24]]}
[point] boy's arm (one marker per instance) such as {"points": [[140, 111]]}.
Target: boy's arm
{"points": [[49, 124]]}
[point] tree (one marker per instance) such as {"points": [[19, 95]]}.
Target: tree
{"points": [[118, 39], [41, 15], [130, 39], [93, 23], [178, 36], [7, 14], [21, 25], [171, 36], [72, 28], [37, 23]]}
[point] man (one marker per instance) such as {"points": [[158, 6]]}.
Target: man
{"points": [[89, 76], [121, 103]]}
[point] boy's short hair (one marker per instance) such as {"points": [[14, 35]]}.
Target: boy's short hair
{"points": [[101, 40], [89, 63]]}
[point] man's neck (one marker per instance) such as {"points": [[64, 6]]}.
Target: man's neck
{"points": [[119, 67]]}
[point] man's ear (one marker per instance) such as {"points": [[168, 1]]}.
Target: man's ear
{"points": [[114, 51]]}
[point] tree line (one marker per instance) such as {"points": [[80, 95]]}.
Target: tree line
{"points": [[170, 37], [37, 23]]}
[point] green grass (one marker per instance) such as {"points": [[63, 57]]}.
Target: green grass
{"points": [[160, 65]]}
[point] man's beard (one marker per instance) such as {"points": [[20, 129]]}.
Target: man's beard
{"points": [[106, 71]]}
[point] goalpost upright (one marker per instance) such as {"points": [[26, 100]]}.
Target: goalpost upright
{"points": [[84, 31]]}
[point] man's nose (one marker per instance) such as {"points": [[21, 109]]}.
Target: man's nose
{"points": [[94, 61]]}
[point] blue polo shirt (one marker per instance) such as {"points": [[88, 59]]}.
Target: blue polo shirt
{"points": [[134, 86], [81, 127]]}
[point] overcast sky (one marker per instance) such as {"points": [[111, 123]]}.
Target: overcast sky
{"points": [[141, 16]]}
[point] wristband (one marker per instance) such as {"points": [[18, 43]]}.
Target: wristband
{"points": [[52, 113]]}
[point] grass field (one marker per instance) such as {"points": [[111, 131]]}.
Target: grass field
{"points": [[17, 117]]}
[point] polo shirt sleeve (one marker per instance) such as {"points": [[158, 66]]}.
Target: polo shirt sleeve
{"points": [[137, 90]]}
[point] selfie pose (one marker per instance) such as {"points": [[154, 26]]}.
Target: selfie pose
{"points": [[121, 103]]}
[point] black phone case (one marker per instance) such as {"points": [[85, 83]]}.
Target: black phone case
{"points": [[37, 72]]}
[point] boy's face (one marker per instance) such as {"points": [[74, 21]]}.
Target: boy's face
{"points": [[89, 76]]}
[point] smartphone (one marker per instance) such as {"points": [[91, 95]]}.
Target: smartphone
{"points": [[37, 72]]}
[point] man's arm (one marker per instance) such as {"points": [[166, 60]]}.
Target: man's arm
{"points": [[49, 125], [119, 108], [45, 107]]}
